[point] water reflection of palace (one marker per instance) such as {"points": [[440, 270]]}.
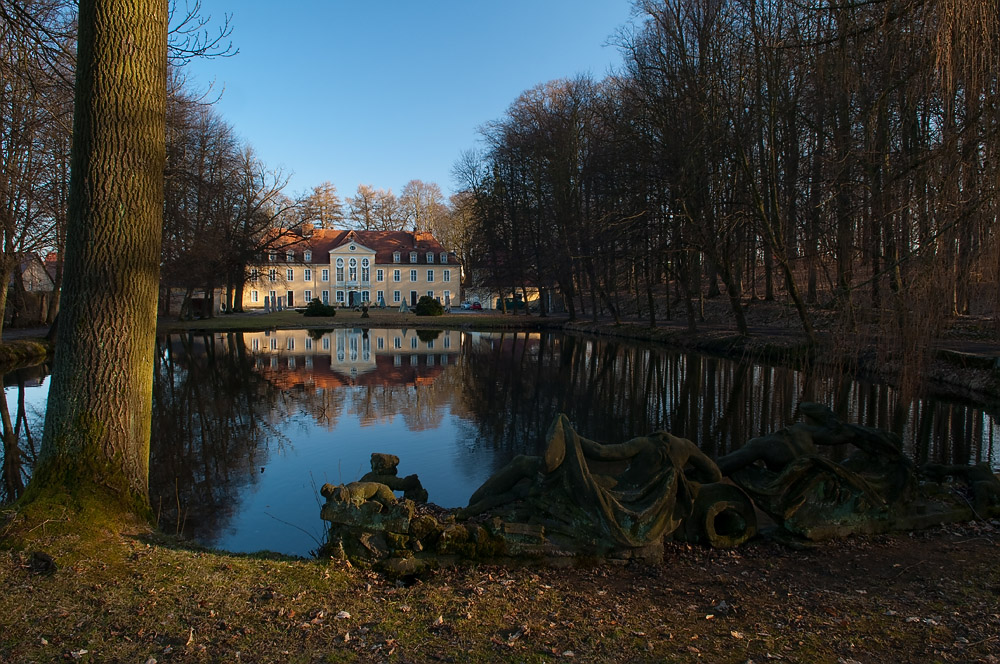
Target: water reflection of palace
{"points": [[354, 356]]}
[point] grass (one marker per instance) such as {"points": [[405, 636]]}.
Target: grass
{"points": [[243, 322], [141, 596], [22, 353]]}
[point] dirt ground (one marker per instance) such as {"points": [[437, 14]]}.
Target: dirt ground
{"points": [[931, 596]]}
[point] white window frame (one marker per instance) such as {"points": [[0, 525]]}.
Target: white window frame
{"points": [[307, 296], [379, 274], [307, 256], [290, 274], [397, 296], [325, 274], [326, 297], [253, 296], [447, 275], [396, 275], [430, 256], [307, 275], [413, 275], [340, 297], [430, 276], [413, 257]]}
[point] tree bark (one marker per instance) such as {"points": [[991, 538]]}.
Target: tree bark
{"points": [[97, 424]]}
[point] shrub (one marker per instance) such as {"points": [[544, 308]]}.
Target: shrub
{"points": [[428, 306], [317, 308]]}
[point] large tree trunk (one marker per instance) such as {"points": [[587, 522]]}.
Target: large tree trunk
{"points": [[97, 426]]}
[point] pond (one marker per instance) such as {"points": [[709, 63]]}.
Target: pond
{"points": [[248, 426]]}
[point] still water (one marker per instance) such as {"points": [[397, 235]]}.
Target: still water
{"points": [[248, 426]]}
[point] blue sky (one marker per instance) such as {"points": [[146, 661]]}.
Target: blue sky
{"points": [[381, 92]]}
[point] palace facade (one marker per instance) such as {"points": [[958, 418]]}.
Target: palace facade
{"points": [[352, 268]]}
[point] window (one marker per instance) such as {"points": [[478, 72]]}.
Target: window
{"points": [[325, 275], [255, 344], [289, 256], [430, 256], [307, 275], [309, 342], [307, 256], [290, 344], [447, 275], [447, 297], [380, 298], [395, 296], [430, 344], [395, 257], [430, 276], [379, 275], [340, 296], [340, 269], [397, 360], [272, 274], [430, 294], [447, 341], [413, 275], [352, 270], [274, 343], [365, 296], [290, 274], [308, 297], [380, 343], [366, 274], [395, 275], [273, 295], [326, 297], [271, 256], [326, 342], [444, 257], [413, 342], [291, 363], [253, 296], [289, 301], [254, 275], [413, 257], [397, 343]]}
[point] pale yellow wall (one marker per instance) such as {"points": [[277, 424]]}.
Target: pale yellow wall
{"points": [[316, 285]]}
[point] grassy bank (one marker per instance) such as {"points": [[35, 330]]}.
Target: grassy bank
{"points": [[22, 353], [247, 322], [138, 598]]}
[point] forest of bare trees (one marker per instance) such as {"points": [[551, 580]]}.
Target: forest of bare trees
{"points": [[832, 155]]}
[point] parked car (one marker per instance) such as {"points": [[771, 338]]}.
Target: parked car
{"points": [[466, 305], [476, 306]]}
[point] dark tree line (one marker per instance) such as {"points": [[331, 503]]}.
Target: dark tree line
{"points": [[835, 154]]}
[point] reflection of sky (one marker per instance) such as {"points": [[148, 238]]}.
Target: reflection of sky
{"points": [[286, 498], [35, 395]]}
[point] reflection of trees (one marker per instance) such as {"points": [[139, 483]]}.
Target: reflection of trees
{"points": [[18, 453], [213, 417], [515, 383]]}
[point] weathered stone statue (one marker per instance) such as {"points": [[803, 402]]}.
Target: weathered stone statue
{"points": [[875, 489], [583, 499], [596, 499]]}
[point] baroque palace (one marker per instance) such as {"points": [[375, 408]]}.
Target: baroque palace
{"points": [[352, 268]]}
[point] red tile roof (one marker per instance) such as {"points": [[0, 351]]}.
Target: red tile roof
{"points": [[385, 243]]}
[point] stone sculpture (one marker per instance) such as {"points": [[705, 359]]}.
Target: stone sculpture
{"points": [[582, 499], [579, 499], [875, 489]]}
